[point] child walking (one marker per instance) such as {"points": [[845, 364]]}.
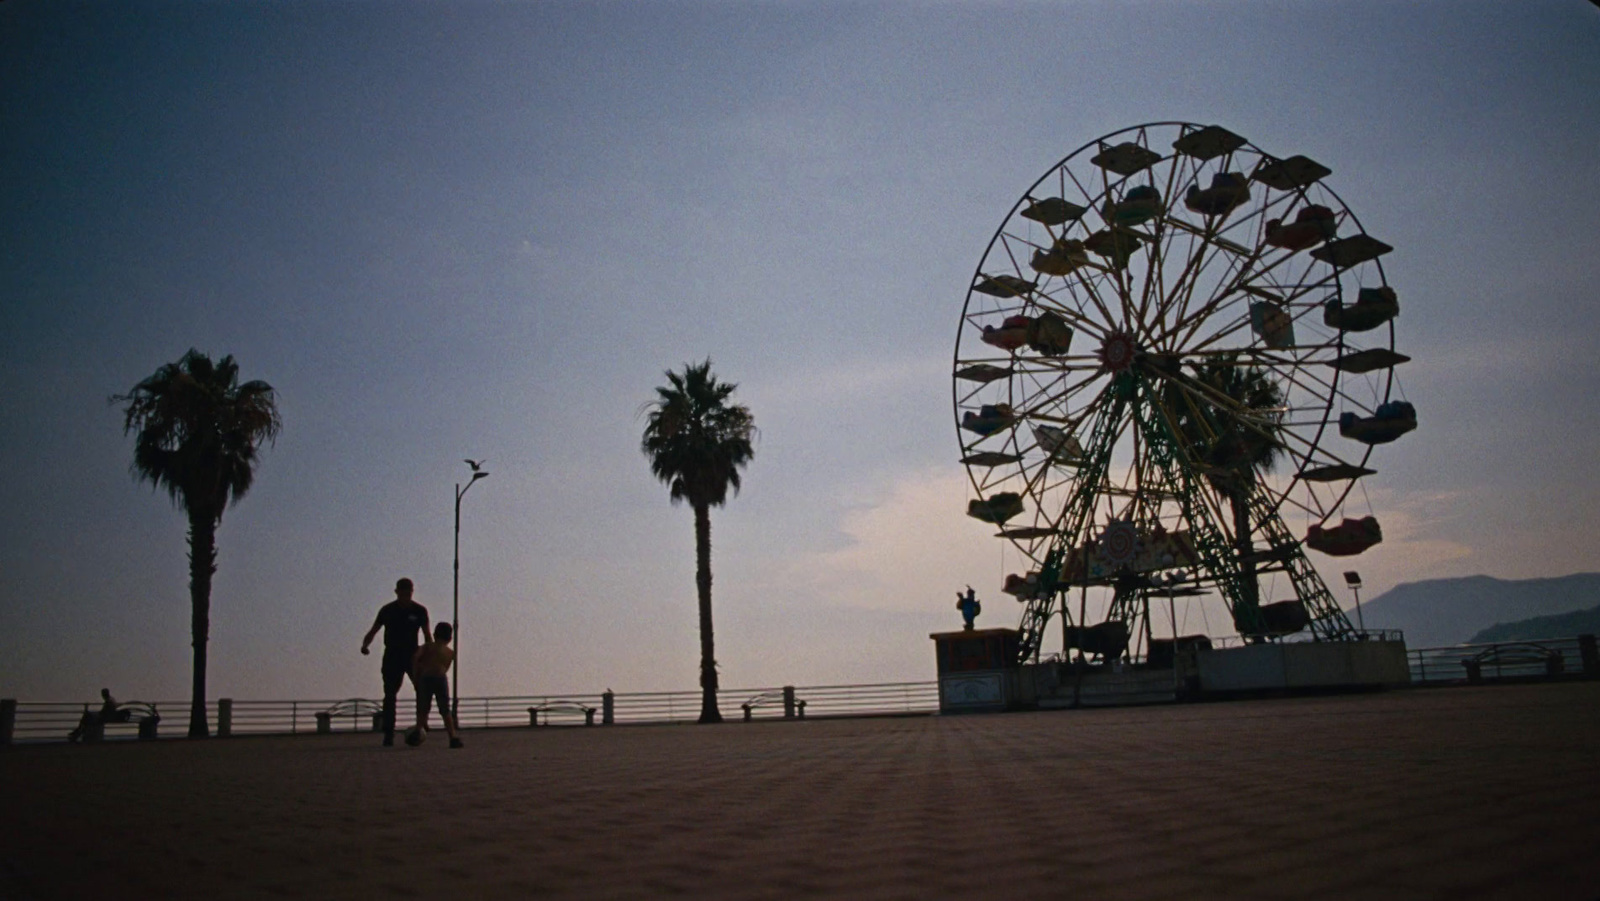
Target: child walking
{"points": [[431, 669]]}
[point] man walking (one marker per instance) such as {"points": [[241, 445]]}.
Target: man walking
{"points": [[399, 619]]}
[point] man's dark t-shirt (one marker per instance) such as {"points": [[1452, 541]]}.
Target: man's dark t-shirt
{"points": [[400, 624]]}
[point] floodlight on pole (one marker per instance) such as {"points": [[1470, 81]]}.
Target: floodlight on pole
{"points": [[478, 472], [1353, 579]]}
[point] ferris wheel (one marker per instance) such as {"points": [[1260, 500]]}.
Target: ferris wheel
{"points": [[1174, 363]]}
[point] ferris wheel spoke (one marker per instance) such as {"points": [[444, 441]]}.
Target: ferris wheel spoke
{"points": [[1154, 257], [1183, 286], [1188, 322], [1240, 256]]}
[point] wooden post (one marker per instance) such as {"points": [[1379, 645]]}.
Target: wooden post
{"points": [[324, 722], [8, 720], [607, 708], [224, 717], [788, 702]]}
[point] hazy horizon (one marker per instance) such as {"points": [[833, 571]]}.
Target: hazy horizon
{"points": [[486, 230]]}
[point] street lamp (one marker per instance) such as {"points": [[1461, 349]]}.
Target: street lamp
{"points": [[1353, 579], [455, 588]]}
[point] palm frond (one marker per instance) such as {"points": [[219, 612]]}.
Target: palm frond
{"points": [[696, 440], [198, 431]]}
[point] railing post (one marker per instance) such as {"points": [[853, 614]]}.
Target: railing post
{"points": [[149, 725], [608, 703], [95, 730], [788, 702], [1587, 650], [8, 720], [224, 717]]}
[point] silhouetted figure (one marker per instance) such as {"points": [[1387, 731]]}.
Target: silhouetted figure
{"points": [[92, 726], [430, 671], [969, 606], [399, 619]]}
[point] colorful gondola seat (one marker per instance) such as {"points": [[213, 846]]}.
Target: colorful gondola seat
{"points": [[1004, 286], [1021, 587], [1312, 225], [1346, 539], [1284, 617], [1373, 307], [1061, 445], [1388, 422], [1228, 190], [1064, 257], [1273, 323], [1140, 204], [1115, 245], [1011, 334], [997, 508], [989, 419], [1049, 335]]}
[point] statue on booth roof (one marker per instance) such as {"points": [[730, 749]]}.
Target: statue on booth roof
{"points": [[969, 606]]}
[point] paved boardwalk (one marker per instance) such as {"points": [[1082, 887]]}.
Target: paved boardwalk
{"points": [[1459, 793]]}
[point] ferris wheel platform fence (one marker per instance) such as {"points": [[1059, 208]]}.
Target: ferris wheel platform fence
{"points": [[979, 671]]}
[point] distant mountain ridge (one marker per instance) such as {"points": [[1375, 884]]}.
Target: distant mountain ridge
{"points": [[1439, 612], [1562, 625]]}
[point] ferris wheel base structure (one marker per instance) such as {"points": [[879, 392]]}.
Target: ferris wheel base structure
{"points": [[975, 675]]}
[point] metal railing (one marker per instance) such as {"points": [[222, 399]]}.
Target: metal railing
{"points": [[51, 721], [1499, 661]]}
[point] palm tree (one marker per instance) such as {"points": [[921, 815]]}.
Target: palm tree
{"points": [[198, 433], [1230, 416], [697, 442]]}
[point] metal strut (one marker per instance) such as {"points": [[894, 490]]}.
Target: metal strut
{"points": [[1036, 615], [1216, 555], [1328, 622]]}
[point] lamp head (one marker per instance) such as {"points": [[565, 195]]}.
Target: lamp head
{"points": [[1353, 579], [479, 475]]}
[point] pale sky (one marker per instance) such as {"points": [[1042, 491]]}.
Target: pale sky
{"points": [[485, 230]]}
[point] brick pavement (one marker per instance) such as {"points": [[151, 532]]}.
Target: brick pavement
{"points": [[1452, 793]]}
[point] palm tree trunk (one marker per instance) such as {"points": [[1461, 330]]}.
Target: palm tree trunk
{"points": [[1249, 587], [202, 564], [708, 650]]}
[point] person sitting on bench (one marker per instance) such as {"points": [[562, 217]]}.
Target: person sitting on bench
{"points": [[93, 723]]}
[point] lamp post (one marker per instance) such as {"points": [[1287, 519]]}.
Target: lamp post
{"points": [[1353, 579], [455, 588]]}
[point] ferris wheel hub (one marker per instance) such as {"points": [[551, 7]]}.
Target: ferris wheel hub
{"points": [[1117, 351]]}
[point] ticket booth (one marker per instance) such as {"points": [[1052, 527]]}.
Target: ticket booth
{"points": [[978, 670]]}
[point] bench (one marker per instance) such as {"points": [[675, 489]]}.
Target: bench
{"points": [[141, 713], [354, 708], [792, 708], [1503, 655], [560, 706]]}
